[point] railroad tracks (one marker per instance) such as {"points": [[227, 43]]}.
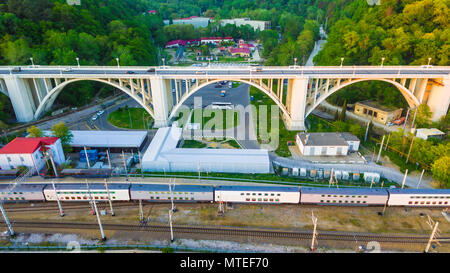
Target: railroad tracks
{"points": [[221, 232]]}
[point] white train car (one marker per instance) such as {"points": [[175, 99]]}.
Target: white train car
{"points": [[80, 192], [23, 192], [251, 194], [177, 193], [419, 198], [344, 196]]}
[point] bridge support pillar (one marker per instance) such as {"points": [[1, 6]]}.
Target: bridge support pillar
{"points": [[160, 94], [439, 98], [21, 98], [296, 99]]}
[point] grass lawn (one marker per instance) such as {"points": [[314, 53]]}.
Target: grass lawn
{"points": [[266, 136], [209, 121], [130, 118], [193, 144], [231, 59]]}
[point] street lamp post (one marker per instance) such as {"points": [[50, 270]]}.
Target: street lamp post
{"points": [[382, 61], [295, 62], [429, 60], [164, 64], [32, 63], [118, 65], [78, 61], [342, 61]]}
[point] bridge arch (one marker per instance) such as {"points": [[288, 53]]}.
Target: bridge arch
{"points": [[407, 94], [197, 88], [52, 94]]}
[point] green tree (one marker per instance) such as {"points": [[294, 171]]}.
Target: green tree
{"points": [[34, 131], [441, 171], [423, 117], [343, 110], [62, 131]]}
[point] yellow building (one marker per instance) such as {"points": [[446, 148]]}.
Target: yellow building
{"points": [[380, 113]]}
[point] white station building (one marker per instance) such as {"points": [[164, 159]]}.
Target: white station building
{"points": [[163, 155], [326, 144], [29, 152]]}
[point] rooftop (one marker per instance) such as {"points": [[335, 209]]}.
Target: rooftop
{"points": [[429, 131], [326, 139], [175, 188], [346, 191], [130, 139], [258, 188], [376, 105], [240, 50], [26, 145]]}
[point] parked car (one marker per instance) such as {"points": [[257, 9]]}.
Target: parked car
{"points": [[100, 112], [16, 69], [94, 117], [399, 121], [67, 69], [130, 72], [151, 69], [218, 86]]}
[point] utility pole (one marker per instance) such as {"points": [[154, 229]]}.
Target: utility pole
{"points": [[53, 162], [11, 231], [404, 178], [371, 183], [420, 179], [315, 233], [379, 152], [96, 213], [414, 118], [331, 178], [171, 228], [406, 120], [109, 159], [87, 158], [434, 234], [140, 161], [387, 142], [61, 212], [410, 147], [109, 198], [141, 211], [125, 164], [367, 131], [171, 195]]}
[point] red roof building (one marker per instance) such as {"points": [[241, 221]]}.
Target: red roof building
{"points": [[27, 145], [29, 152]]}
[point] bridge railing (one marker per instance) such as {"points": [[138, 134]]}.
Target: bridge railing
{"points": [[305, 68]]}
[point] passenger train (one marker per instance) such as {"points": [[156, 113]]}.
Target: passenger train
{"points": [[228, 194]]}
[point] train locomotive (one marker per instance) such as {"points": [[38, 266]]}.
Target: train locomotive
{"points": [[78, 192]]}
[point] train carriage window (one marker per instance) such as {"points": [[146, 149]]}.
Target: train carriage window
{"points": [[157, 197], [248, 193], [265, 199], [73, 198], [78, 197], [186, 198], [278, 194], [266, 194], [328, 201], [321, 201], [259, 194], [445, 202], [271, 200], [340, 201], [242, 193], [272, 194], [253, 199], [410, 202], [417, 202], [247, 199], [113, 197], [151, 197], [277, 200], [192, 198], [334, 201], [440, 202], [253, 193], [323, 195], [259, 199]]}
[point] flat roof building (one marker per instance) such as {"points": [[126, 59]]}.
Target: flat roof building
{"points": [[425, 133], [326, 144], [163, 155], [380, 113], [116, 141], [193, 20], [255, 24]]}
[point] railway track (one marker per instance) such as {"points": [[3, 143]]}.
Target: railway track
{"points": [[237, 232], [52, 207]]}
